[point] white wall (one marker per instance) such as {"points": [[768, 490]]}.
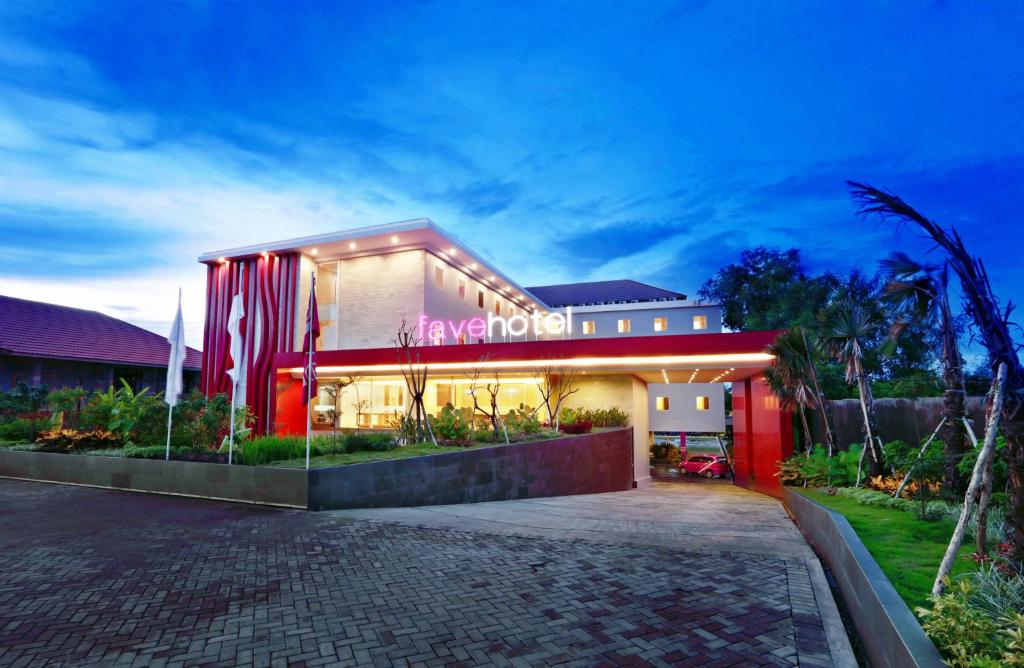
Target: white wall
{"points": [[683, 414], [628, 394], [374, 294], [680, 319]]}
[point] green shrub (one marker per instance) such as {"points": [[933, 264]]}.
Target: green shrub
{"points": [[72, 439], [137, 417], [370, 442], [22, 399], [453, 427], [24, 430], [820, 470], [145, 451], [978, 621], [522, 421], [265, 449]]}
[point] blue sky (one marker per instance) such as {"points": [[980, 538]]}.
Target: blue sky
{"points": [[563, 141]]}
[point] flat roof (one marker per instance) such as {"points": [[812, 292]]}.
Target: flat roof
{"points": [[415, 234], [674, 358]]}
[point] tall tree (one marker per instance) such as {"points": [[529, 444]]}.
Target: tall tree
{"points": [[922, 292], [844, 330], [794, 378], [993, 324], [768, 289]]}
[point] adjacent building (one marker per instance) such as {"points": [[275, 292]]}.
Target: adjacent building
{"points": [[60, 346]]}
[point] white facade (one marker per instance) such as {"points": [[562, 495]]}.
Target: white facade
{"points": [[672, 407]]}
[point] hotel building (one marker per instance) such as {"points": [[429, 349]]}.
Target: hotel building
{"points": [[650, 352]]}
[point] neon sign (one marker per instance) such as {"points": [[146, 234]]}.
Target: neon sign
{"points": [[495, 327]]}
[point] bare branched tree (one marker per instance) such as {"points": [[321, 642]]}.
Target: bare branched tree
{"points": [[556, 384], [414, 372], [487, 390]]}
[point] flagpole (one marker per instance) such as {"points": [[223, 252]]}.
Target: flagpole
{"points": [[309, 367], [231, 432]]}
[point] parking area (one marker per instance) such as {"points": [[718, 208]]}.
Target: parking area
{"points": [[98, 577]]}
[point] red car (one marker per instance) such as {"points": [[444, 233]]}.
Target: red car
{"points": [[708, 466]]}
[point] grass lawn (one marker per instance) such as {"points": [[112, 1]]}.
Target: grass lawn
{"points": [[418, 450], [908, 549]]}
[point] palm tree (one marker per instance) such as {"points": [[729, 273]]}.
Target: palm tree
{"points": [[922, 292], [845, 327], [794, 378], [992, 322]]}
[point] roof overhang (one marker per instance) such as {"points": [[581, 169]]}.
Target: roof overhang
{"points": [[679, 358], [417, 234]]}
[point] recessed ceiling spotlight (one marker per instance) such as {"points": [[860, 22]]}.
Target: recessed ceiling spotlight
{"points": [[452, 251], [394, 239], [351, 245], [222, 260], [473, 266], [313, 251]]}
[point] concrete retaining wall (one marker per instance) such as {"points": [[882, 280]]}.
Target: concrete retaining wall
{"points": [[588, 464], [591, 463], [887, 628], [908, 420], [250, 484]]}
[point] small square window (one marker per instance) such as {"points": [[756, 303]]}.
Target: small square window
{"points": [[624, 326], [700, 322], [480, 298], [703, 403], [462, 289], [497, 307], [439, 278], [589, 327], [661, 403], [661, 324]]}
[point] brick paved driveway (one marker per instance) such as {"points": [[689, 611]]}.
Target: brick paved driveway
{"points": [[96, 577]]}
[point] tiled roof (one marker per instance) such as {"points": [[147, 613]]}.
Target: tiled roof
{"points": [[36, 329], [601, 292]]}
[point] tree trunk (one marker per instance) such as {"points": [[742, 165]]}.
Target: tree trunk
{"points": [[953, 436], [986, 495], [808, 439], [867, 409], [1013, 432], [984, 457]]}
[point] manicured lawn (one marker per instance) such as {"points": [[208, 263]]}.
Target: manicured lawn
{"points": [[909, 550], [418, 450]]}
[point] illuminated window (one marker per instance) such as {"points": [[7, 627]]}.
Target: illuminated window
{"points": [[439, 278], [700, 322], [497, 307], [703, 403], [661, 324], [462, 289], [589, 327], [661, 403], [480, 298], [624, 326], [462, 339], [394, 396]]}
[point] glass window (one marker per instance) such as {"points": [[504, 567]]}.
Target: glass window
{"points": [[439, 278], [703, 403], [497, 307], [480, 298], [700, 322], [394, 396], [661, 324], [624, 326], [462, 289], [589, 327], [661, 403]]}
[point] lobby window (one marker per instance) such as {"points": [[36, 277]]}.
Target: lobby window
{"points": [[661, 403], [589, 327], [462, 289], [700, 322], [394, 396], [703, 403], [624, 326], [439, 278], [480, 298], [661, 324]]}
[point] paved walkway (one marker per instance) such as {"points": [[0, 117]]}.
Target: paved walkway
{"points": [[96, 577]]}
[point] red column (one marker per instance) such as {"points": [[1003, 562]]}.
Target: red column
{"points": [[762, 436], [289, 413]]}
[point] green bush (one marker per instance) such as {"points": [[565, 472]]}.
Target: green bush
{"points": [[819, 470], [453, 427], [24, 430], [978, 621], [370, 442], [597, 417], [522, 421], [22, 399], [145, 451], [137, 417], [72, 439]]}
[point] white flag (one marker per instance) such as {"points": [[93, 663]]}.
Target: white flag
{"points": [[175, 383], [237, 345]]}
